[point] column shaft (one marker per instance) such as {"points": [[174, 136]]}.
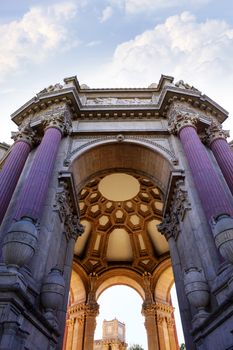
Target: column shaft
{"points": [[209, 187], [152, 332], [36, 185], [10, 173], [224, 157], [89, 332]]}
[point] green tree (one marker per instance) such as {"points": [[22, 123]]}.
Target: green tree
{"points": [[135, 347]]}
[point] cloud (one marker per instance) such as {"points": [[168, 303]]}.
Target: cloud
{"points": [[138, 6], [94, 43], [200, 53], [106, 14], [40, 32]]}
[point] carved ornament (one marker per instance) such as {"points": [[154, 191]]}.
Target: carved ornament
{"points": [[146, 277], [66, 211], [215, 131], [25, 134], [182, 85], [179, 204], [58, 117], [117, 101], [180, 117]]}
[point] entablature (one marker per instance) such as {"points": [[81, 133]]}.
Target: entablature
{"points": [[119, 104]]}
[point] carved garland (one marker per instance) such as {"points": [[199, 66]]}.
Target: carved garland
{"points": [[179, 205]]}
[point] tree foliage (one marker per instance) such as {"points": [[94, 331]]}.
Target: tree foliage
{"points": [[135, 347]]}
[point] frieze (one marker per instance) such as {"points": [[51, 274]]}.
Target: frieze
{"points": [[117, 101]]}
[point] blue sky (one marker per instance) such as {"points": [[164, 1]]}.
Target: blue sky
{"points": [[114, 43]]}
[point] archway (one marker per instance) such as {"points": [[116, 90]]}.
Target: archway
{"points": [[121, 189]]}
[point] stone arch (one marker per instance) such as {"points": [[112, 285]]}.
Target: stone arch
{"points": [[148, 142], [163, 285], [150, 167], [122, 155], [119, 277]]}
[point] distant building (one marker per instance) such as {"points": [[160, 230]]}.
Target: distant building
{"points": [[113, 336]]}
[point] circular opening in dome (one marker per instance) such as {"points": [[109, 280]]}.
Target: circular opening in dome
{"points": [[119, 187]]}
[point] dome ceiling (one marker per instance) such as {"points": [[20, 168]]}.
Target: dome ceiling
{"points": [[120, 212]]}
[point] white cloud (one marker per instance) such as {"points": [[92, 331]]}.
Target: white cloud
{"points": [[37, 34], [94, 43], [106, 14], [137, 6], [200, 53]]}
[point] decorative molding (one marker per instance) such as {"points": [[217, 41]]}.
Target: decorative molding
{"points": [[67, 206], [175, 212], [26, 134], [59, 117], [113, 101], [180, 117], [214, 132], [94, 140]]}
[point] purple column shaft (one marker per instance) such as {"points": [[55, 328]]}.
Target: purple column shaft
{"points": [[10, 173], [209, 186], [224, 157], [36, 185]]}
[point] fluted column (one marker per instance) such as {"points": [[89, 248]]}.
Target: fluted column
{"points": [[20, 241], [92, 311], [36, 185], [149, 311], [70, 331], [216, 138], [160, 324], [13, 166], [209, 187], [172, 333], [80, 334]]}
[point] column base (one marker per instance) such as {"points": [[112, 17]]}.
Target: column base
{"points": [[23, 326]]}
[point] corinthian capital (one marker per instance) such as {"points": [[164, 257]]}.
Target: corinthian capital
{"points": [[215, 131], [180, 117], [25, 134], [58, 117]]}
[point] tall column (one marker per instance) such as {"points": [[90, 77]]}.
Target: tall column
{"points": [[149, 312], [21, 240], [13, 166], [172, 333], [151, 327], [36, 185], [80, 334], [92, 311], [168, 228], [160, 324], [70, 331], [209, 187], [216, 138]]}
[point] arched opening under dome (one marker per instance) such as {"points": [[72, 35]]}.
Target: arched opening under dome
{"points": [[121, 201]]}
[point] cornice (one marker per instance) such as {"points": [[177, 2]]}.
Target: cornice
{"points": [[72, 94]]}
